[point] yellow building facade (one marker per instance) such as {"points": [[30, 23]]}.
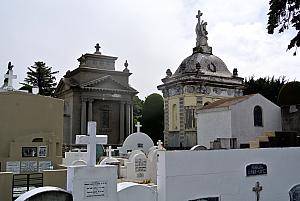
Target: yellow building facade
{"points": [[31, 132]]}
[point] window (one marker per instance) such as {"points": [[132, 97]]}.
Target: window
{"points": [[174, 117], [190, 118], [105, 118], [257, 113]]}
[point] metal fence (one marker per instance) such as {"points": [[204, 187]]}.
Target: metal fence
{"points": [[25, 182]]}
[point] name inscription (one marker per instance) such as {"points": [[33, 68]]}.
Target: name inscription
{"points": [[256, 169], [95, 189]]}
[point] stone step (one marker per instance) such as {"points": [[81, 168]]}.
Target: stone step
{"points": [[263, 138], [254, 144], [269, 134]]}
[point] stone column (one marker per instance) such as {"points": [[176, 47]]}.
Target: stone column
{"points": [[90, 117], [83, 116], [127, 113], [131, 118], [122, 134]]}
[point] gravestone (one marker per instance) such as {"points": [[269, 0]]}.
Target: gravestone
{"points": [[136, 141], [152, 164], [46, 194], [92, 182], [136, 192], [136, 167], [295, 193]]}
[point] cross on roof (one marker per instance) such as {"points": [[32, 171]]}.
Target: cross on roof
{"points": [[97, 48], [91, 140], [199, 15], [257, 188], [10, 76], [138, 127]]}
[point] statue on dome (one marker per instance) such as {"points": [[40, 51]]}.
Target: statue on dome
{"points": [[201, 31]]}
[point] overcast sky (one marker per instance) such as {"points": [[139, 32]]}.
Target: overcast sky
{"points": [[152, 35]]}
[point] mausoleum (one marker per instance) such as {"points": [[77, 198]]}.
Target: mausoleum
{"points": [[200, 79], [95, 91]]}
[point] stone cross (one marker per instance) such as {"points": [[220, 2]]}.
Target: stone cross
{"points": [[97, 48], [160, 145], [109, 151], [10, 76], [91, 140], [138, 127], [199, 16], [257, 188]]}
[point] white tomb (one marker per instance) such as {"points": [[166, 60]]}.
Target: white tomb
{"points": [[129, 191], [136, 141], [92, 182]]}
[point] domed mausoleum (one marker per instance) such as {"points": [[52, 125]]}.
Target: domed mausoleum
{"points": [[200, 79]]}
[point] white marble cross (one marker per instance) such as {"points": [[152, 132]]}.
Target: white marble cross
{"points": [[91, 140], [10, 76], [109, 151], [160, 145], [138, 127]]}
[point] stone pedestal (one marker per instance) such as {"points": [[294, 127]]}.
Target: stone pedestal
{"points": [[98, 183]]}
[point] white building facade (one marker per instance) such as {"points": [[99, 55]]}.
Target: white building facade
{"points": [[237, 120]]}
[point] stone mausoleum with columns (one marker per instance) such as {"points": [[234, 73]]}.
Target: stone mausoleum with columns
{"points": [[200, 79], [95, 91]]}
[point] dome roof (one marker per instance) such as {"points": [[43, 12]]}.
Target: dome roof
{"points": [[207, 64]]}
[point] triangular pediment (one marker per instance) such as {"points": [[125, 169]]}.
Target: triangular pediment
{"points": [[106, 83]]}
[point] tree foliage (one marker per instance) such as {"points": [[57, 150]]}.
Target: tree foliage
{"points": [[153, 117], [137, 109], [268, 87], [41, 76], [284, 14]]}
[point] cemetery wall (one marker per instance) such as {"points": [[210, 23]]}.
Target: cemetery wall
{"points": [[57, 178], [6, 179], [221, 174], [31, 121]]}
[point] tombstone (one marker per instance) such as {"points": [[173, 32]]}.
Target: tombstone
{"points": [[136, 167], [46, 194], [72, 157], [198, 148], [136, 141], [152, 164], [92, 182], [295, 193], [136, 192]]}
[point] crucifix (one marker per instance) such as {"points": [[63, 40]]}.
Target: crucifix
{"points": [[91, 140], [138, 127], [199, 16], [97, 48], [160, 145], [10, 76], [257, 188]]}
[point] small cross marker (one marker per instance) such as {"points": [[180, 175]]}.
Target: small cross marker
{"points": [[138, 127], [160, 145], [257, 188]]}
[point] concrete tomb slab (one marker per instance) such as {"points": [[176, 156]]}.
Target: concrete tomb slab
{"points": [[46, 193]]}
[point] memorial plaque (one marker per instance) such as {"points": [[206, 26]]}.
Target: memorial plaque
{"points": [[13, 166], [140, 167], [42, 152], [44, 165], [29, 166], [256, 169], [95, 189]]}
